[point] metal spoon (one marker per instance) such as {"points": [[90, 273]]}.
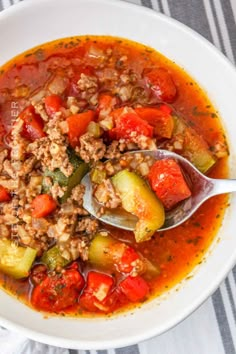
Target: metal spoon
{"points": [[202, 188]]}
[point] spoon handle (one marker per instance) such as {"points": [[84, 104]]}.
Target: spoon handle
{"points": [[221, 186]]}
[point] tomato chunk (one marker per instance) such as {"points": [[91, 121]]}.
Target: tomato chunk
{"points": [[160, 118], [129, 123], [106, 104], [4, 195], [53, 103], [99, 284], [33, 124], [161, 84], [43, 205], [96, 294], [58, 292], [167, 180], [135, 288], [77, 124]]}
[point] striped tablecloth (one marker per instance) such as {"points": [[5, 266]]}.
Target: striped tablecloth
{"points": [[212, 328]]}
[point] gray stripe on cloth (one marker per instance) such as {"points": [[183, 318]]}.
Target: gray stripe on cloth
{"points": [[231, 299], [1, 5], [230, 23], [160, 6], [223, 323], [234, 273], [87, 351], [101, 351], [193, 16], [133, 349], [73, 351], [147, 3], [212, 4]]}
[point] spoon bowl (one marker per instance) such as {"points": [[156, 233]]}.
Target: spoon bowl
{"points": [[201, 186]]}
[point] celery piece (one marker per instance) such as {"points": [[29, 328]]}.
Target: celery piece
{"points": [[98, 176], [138, 199], [16, 260], [94, 129]]}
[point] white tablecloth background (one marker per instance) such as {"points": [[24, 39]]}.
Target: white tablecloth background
{"points": [[212, 328]]}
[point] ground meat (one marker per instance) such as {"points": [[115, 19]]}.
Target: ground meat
{"points": [[87, 82], [91, 149], [57, 191], [75, 247], [40, 109], [87, 225], [51, 150], [77, 194], [106, 194], [8, 183], [51, 154], [125, 92], [73, 105], [5, 231], [3, 155], [113, 151]]}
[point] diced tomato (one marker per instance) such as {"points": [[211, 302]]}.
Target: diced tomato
{"points": [[99, 284], [96, 294], [43, 205], [135, 288], [128, 123], [77, 124], [167, 180], [33, 124], [161, 84], [58, 292], [53, 103], [106, 104], [160, 118], [4, 195], [127, 261]]}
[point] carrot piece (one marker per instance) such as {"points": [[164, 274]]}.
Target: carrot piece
{"points": [[135, 288], [77, 124], [167, 180], [4, 195], [43, 205]]}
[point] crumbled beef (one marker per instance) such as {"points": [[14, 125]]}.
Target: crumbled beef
{"points": [[106, 195], [87, 225], [91, 149]]}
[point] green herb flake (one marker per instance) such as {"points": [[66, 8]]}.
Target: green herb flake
{"points": [[39, 54], [28, 55]]}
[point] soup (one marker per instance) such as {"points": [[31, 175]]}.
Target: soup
{"points": [[67, 108]]}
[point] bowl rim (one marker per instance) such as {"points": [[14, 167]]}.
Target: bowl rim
{"points": [[97, 344]]}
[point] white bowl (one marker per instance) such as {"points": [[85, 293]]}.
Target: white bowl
{"points": [[34, 22]]}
